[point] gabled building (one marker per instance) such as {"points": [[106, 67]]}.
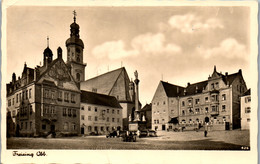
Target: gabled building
{"points": [[214, 102], [114, 83], [245, 110], [100, 113], [44, 99], [47, 98], [165, 105]]}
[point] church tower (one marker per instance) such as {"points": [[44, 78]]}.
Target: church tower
{"points": [[47, 55], [75, 48]]}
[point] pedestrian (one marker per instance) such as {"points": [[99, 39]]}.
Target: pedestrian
{"points": [[205, 133], [138, 133]]}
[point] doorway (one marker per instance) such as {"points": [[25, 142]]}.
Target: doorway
{"points": [[52, 128], [227, 127], [163, 127], [82, 130], [206, 119]]}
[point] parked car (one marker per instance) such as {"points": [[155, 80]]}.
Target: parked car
{"points": [[152, 133], [122, 133], [112, 134], [131, 137], [143, 134]]}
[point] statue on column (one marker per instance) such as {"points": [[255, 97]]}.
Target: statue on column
{"points": [[136, 74]]}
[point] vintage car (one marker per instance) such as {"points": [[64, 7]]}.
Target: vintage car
{"points": [[152, 133], [112, 134], [131, 137], [143, 133]]}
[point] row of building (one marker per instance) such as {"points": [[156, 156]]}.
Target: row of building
{"points": [[217, 102], [55, 97]]}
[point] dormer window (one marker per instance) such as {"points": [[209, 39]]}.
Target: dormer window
{"points": [[212, 86], [217, 85]]}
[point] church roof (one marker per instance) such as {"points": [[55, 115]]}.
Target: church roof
{"points": [[99, 99], [103, 83]]}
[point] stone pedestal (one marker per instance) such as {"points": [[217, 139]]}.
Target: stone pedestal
{"points": [[138, 125]]}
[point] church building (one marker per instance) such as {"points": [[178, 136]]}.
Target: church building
{"points": [[115, 83]]}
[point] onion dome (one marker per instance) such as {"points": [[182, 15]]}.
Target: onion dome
{"points": [[74, 25], [74, 34], [47, 51]]}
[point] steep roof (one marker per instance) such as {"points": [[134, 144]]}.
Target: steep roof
{"points": [[195, 88], [99, 99], [172, 90], [248, 92], [230, 78], [103, 83], [147, 107], [191, 89]]}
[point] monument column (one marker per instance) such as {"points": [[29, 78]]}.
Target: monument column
{"points": [[137, 110]]}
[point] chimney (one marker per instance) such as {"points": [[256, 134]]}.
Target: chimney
{"points": [[59, 52], [226, 73], [34, 74], [27, 76], [188, 84], [13, 78]]}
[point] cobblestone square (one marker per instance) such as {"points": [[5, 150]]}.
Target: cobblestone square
{"points": [[190, 140]]}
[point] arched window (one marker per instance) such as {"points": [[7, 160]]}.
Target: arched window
{"points": [[78, 77], [78, 58]]}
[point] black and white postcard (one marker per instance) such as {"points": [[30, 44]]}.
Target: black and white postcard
{"points": [[129, 82]]}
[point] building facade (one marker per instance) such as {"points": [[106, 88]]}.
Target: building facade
{"points": [[100, 113], [46, 98], [214, 102], [115, 83], [145, 113], [245, 110]]}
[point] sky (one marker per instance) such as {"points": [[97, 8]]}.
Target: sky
{"points": [[174, 44]]}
